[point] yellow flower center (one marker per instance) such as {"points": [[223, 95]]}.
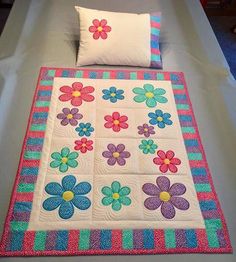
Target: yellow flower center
{"points": [[83, 145], [84, 129], [166, 161], [69, 116], [76, 93], [149, 95], [68, 195], [100, 29], [116, 154], [159, 119], [145, 129], [164, 196], [115, 196], [64, 160], [113, 94], [116, 122]]}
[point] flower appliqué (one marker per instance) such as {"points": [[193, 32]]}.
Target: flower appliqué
{"points": [[84, 129], [160, 119], [69, 116], [148, 146], [99, 29], [76, 94], [67, 196], [165, 196], [116, 196], [113, 94], [146, 130], [167, 161], [116, 154], [116, 121], [84, 145], [64, 159], [150, 95]]}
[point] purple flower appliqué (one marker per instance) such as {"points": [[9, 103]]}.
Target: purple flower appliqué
{"points": [[146, 130], [166, 196], [116, 154], [69, 116]]}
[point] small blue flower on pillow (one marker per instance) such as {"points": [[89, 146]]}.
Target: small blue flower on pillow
{"points": [[160, 119], [84, 129], [113, 94], [67, 196]]}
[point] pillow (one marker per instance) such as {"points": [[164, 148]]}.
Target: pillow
{"points": [[119, 38]]}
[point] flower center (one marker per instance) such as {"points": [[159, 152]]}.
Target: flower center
{"points": [[159, 119], [166, 161], [113, 94], [116, 122], [148, 146], [145, 129], [64, 160], [100, 29], [116, 196], [84, 129], [149, 95], [116, 154], [68, 195], [83, 145], [164, 196], [76, 93], [69, 116]]}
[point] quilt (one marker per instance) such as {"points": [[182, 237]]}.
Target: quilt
{"points": [[112, 163]]}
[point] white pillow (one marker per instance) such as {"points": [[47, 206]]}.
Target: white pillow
{"points": [[119, 38]]}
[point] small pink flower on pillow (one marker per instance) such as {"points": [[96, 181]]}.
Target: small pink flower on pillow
{"points": [[99, 29]]}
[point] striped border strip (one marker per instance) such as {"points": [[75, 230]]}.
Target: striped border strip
{"points": [[17, 241], [155, 21]]}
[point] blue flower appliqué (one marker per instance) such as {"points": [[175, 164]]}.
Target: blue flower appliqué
{"points": [[113, 94], [84, 129], [160, 119], [66, 196]]}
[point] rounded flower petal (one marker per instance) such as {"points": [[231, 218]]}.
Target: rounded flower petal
{"points": [[115, 187], [170, 154], [72, 163], [55, 163], [65, 151], [148, 87], [140, 98], [167, 210], [163, 183], [68, 182], [106, 201], [81, 202], [66, 210], [152, 203], [125, 200], [54, 189], [63, 167], [73, 155], [66, 89], [52, 203], [82, 188], [111, 161], [177, 189], [151, 189], [151, 102], [180, 203], [139, 91], [120, 148], [116, 205], [107, 191], [124, 191], [56, 156], [111, 148]]}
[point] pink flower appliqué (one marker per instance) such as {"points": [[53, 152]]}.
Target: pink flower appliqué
{"points": [[116, 121], [99, 29], [167, 161], [77, 94], [83, 145]]}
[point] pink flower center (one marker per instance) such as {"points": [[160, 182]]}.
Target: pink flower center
{"points": [[166, 161], [116, 122], [99, 29], [76, 93]]}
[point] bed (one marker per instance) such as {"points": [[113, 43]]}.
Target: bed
{"points": [[188, 45]]}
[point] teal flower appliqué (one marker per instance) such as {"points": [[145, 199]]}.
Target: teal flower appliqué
{"points": [[64, 160], [148, 146], [150, 95], [67, 196]]}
